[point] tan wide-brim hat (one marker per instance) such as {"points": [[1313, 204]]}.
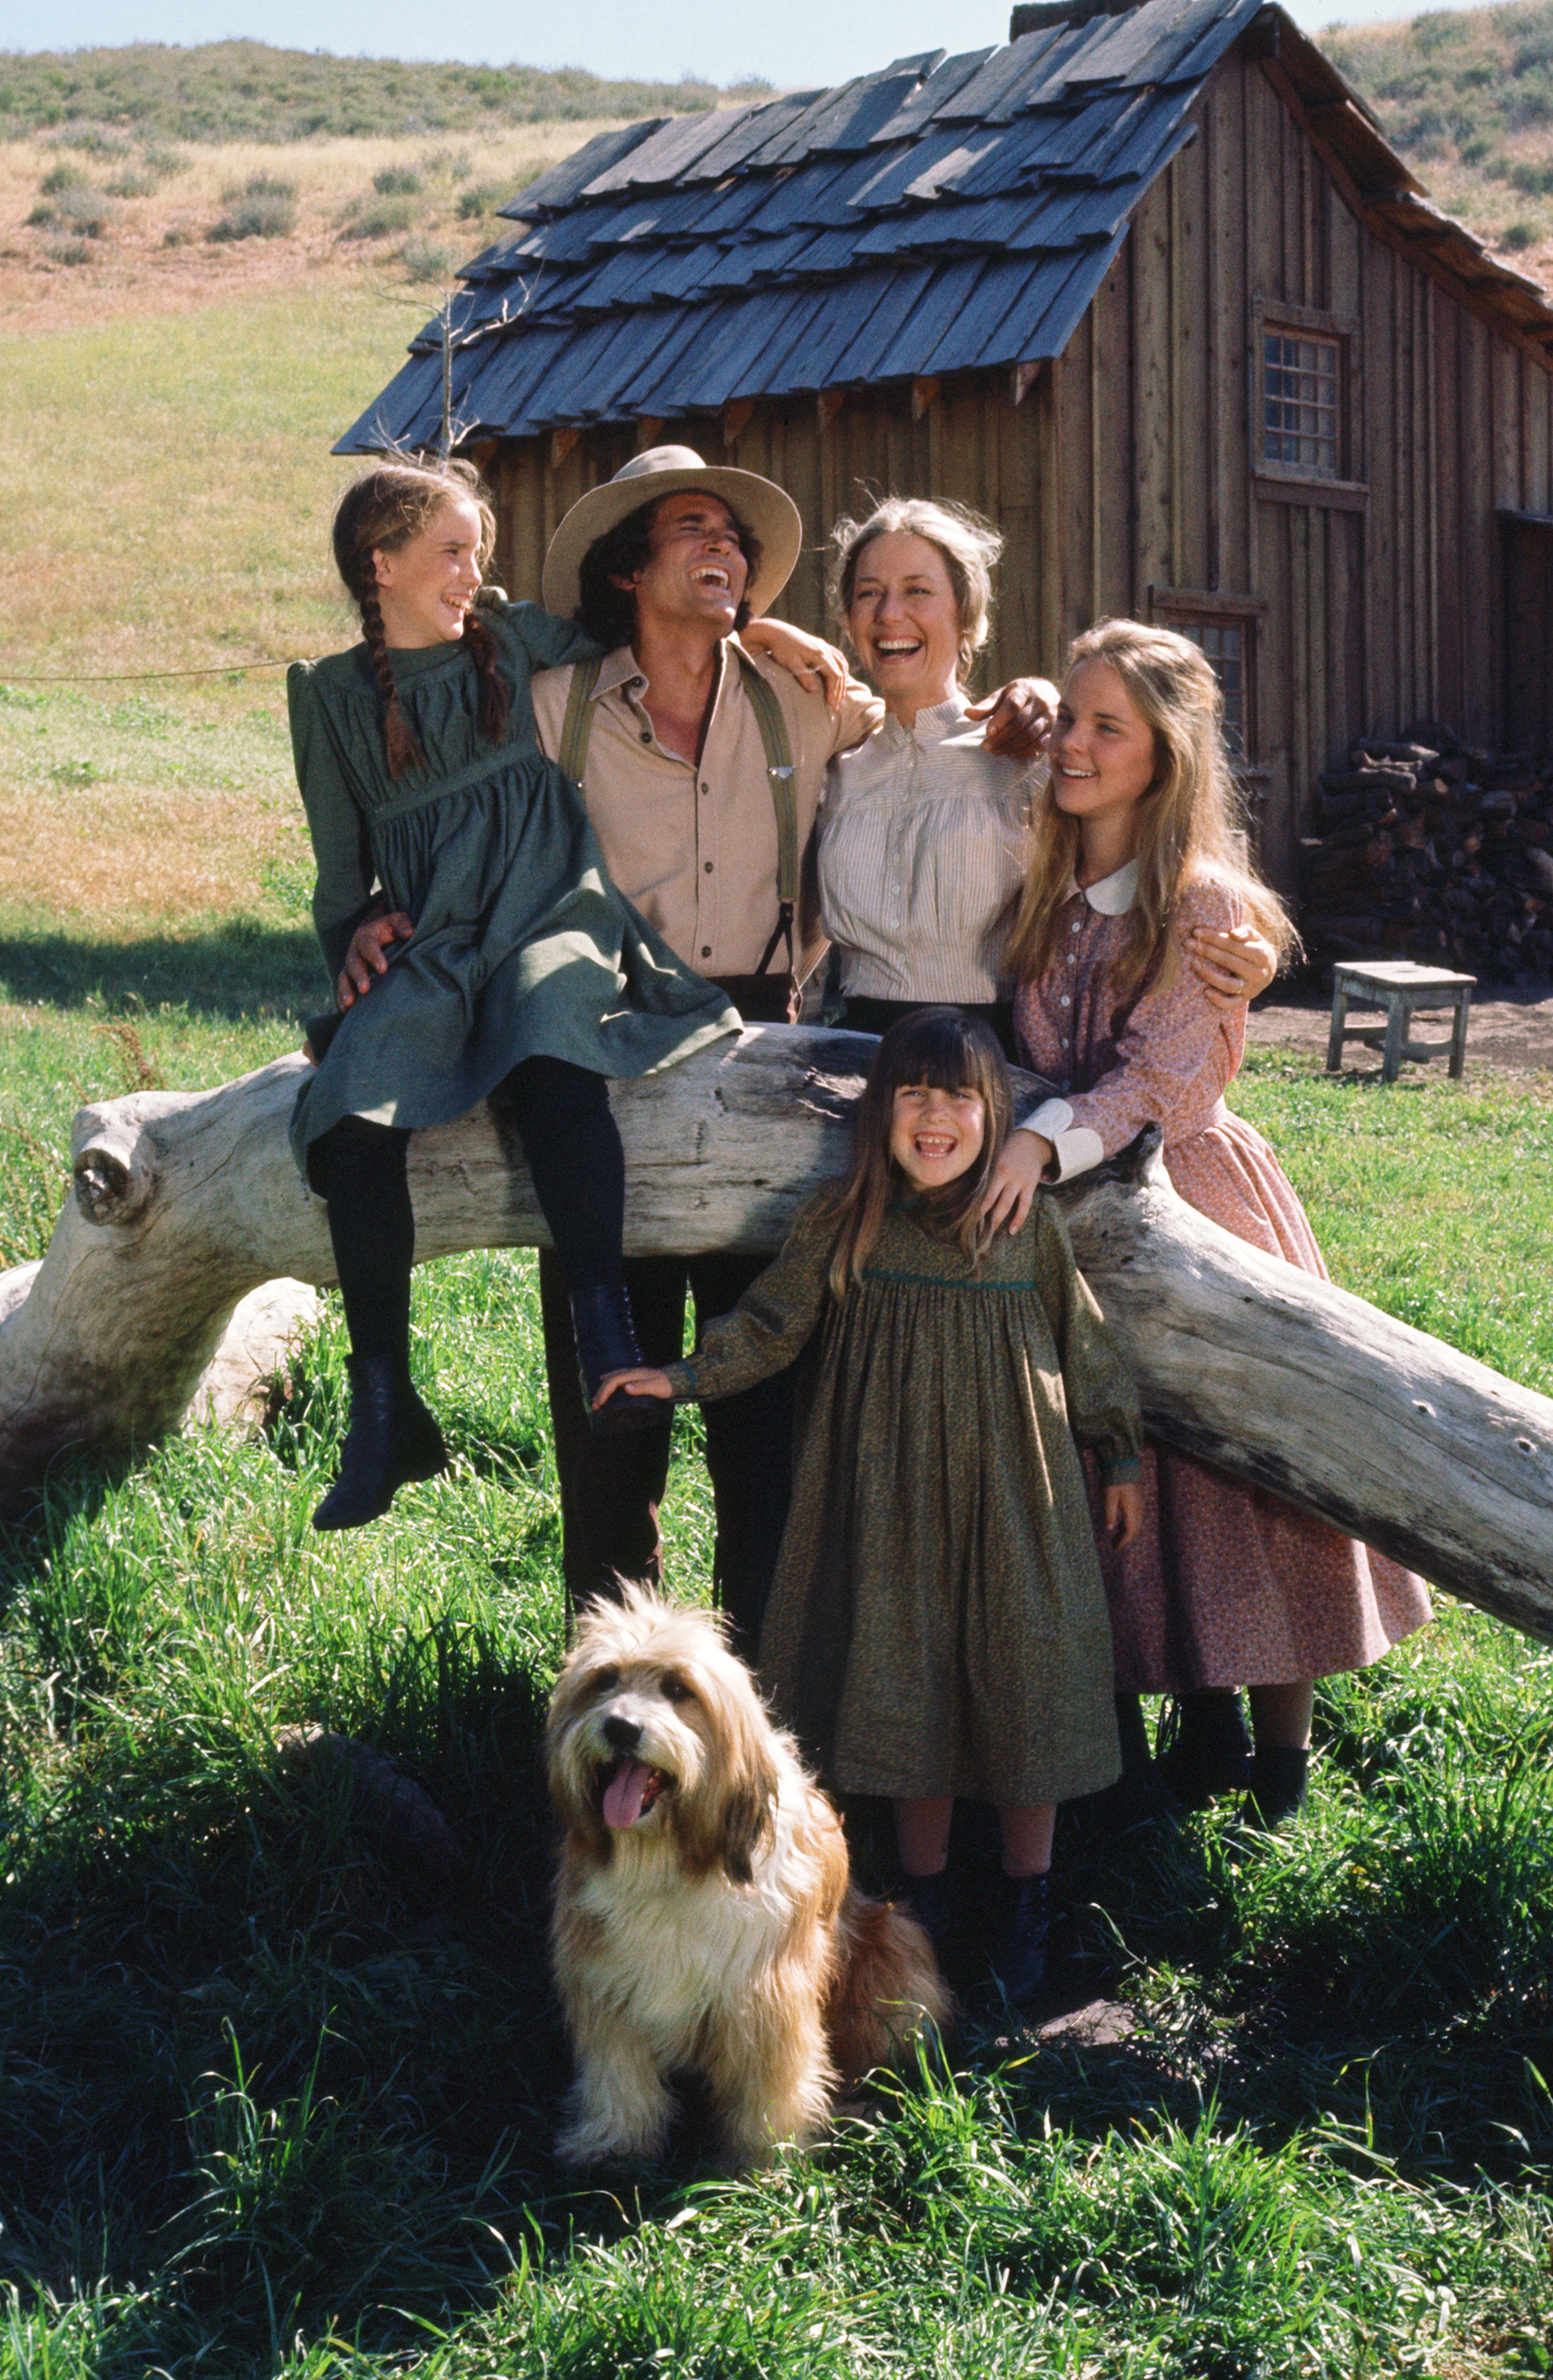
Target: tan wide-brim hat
{"points": [[765, 509]]}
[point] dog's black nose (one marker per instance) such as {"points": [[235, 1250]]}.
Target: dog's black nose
{"points": [[623, 1733]]}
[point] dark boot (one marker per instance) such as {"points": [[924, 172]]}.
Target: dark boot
{"points": [[605, 1336], [930, 1899], [391, 1440], [1276, 1788], [1020, 1935], [1205, 1746], [1139, 1792]]}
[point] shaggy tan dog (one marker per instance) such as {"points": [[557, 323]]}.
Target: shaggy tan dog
{"points": [[703, 1917]]}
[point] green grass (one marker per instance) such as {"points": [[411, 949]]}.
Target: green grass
{"points": [[274, 2101], [200, 535], [248, 91]]}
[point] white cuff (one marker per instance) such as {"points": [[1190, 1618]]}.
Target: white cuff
{"points": [[1074, 1149]]}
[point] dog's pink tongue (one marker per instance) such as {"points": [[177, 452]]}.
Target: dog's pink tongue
{"points": [[625, 1793]]}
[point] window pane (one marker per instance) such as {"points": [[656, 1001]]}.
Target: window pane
{"points": [[1300, 392], [1224, 643]]}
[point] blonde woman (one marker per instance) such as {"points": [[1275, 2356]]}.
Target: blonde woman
{"points": [[924, 831], [1132, 846]]}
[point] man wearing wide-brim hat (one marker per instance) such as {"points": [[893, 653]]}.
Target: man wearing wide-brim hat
{"points": [[671, 566], [668, 565]]}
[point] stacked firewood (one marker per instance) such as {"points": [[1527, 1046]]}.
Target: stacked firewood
{"points": [[1433, 850]]}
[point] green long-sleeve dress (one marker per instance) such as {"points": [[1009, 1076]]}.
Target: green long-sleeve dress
{"points": [[522, 946], [937, 1623]]}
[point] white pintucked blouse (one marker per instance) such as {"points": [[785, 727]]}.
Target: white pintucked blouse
{"points": [[923, 839]]}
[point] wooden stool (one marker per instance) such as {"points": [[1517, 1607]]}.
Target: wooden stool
{"points": [[1398, 985]]}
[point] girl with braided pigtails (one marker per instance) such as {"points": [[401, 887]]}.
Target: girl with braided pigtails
{"points": [[526, 977]]}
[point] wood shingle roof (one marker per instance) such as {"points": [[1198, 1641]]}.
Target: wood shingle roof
{"points": [[945, 214]]}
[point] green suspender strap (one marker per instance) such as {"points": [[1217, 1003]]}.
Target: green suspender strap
{"points": [[779, 770], [572, 758]]}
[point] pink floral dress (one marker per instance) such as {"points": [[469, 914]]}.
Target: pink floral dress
{"points": [[1225, 1585]]}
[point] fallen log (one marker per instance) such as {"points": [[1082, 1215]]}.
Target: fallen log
{"points": [[185, 1204]]}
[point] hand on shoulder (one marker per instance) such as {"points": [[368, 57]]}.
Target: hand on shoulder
{"points": [[1016, 1177]]}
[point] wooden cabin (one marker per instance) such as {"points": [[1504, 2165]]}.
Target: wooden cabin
{"points": [[1147, 287]]}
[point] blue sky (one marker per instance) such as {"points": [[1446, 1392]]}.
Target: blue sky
{"points": [[795, 43]]}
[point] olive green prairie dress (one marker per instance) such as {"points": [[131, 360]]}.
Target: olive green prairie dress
{"points": [[937, 1624], [522, 946]]}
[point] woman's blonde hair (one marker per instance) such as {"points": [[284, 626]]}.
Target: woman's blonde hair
{"points": [[949, 1051], [1189, 827], [969, 545]]}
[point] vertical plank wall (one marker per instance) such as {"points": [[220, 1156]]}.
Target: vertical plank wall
{"points": [[1374, 617]]}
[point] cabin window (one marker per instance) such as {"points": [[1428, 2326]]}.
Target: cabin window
{"points": [[1306, 424], [1302, 403], [1225, 643], [1225, 625]]}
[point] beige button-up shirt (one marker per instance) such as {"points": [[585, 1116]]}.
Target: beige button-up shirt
{"points": [[695, 848]]}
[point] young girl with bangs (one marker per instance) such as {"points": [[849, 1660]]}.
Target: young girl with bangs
{"points": [[936, 1626], [517, 972], [1134, 847]]}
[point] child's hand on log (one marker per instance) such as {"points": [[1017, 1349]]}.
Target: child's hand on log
{"points": [[644, 1382], [1124, 1513], [368, 955], [1231, 967]]}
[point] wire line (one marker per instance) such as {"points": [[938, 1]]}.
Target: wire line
{"points": [[137, 677]]}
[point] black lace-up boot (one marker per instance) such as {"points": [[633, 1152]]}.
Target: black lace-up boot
{"points": [[392, 1439], [1276, 1788], [930, 1899], [1206, 1746], [605, 1335], [1020, 1935]]}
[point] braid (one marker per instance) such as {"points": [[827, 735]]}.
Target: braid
{"points": [[404, 751], [379, 512], [494, 692]]}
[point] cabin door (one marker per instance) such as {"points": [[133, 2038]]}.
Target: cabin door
{"points": [[1528, 632]]}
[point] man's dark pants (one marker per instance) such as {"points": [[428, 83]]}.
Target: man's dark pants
{"points": [[611, 1488]]}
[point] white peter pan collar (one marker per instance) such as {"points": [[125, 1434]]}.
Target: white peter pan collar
{"points": [[1114, 895]]}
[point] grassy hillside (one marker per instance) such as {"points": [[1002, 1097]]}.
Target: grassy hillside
{"points": [[131, 219], [246, 91], [1467, 96]]}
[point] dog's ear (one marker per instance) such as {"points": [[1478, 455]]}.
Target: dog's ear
{"points": [[721, 1818], [568, 1768], [751, 1789], [746, 1825]]}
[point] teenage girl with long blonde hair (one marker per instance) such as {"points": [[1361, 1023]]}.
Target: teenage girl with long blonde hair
{"points": [[1136, 845]]}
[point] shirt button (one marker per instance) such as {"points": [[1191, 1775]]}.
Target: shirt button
{"points": [[646, 735], [706, 950], [709, 868], [1075, 925], [707, 789], [1066, 1001]]}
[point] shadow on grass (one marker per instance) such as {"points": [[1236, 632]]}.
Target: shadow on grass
{"points": [[35, 1517], [235, 971], [292, 2070]]}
